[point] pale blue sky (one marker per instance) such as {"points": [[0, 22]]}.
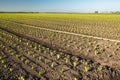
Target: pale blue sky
{"points": [[60, 5]]}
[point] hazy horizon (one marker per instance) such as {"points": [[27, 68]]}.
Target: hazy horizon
{"points": [[59, 5]]}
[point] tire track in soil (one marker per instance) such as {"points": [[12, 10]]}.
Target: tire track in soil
{"points": [[58, 48], [64, 32]]}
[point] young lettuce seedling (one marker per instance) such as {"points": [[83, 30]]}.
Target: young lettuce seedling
{"points": [[58, 56], [86, 67], [96, 52], [74, 63], [5, 66], [11, 69], [3, 61], [53, 64], [75, 78], [40, 73], [0, 57], [32, 67], [26, 61], [21, 78], [62, 70], [100, 68]]}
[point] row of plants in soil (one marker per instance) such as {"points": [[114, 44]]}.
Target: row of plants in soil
{"points": [[87, 47], [106, 26], [45, 63]]}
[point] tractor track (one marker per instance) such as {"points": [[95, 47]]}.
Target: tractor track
{"points": [[64, 32]]}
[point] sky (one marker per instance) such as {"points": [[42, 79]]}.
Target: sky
{"points": [[60, 5]]}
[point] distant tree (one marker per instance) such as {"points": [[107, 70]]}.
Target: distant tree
{"points": [[117, 12], [96, 12]]}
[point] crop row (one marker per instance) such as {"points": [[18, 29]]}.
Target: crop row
{"points": [[100, 51], [26, 59], [100, 25]]}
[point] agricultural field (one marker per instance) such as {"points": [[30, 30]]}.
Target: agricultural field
{"points": [[54, 46]]}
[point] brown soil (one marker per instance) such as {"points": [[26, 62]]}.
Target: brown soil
{"points": [[39, 65]]}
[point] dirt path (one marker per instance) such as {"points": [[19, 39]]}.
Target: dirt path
{"points": [[65, 32]]}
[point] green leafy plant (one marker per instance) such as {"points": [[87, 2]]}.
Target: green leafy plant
{"points": [[26, 61], [52, 65], [0, 57], [17, 55], [62, 70], [22, 58], [86, 66], [88, 50], [58, 56], [51, 53], [3, 61], [96, 52], [12, 53], [39, 58], [100, 68], [67, 60], [11, 69], [75, 78], [33, 55], [40, 73], [74, 63], [32, 67], [5, 66], [28, 53], [46, 61], [21, 78]]}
